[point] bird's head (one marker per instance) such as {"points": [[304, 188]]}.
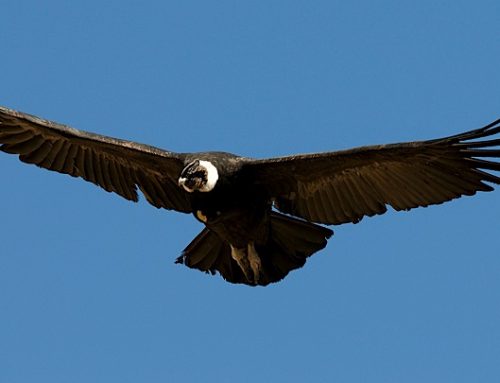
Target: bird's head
{"points": [[199, 175]]}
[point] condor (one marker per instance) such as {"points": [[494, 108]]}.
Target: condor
{"points": [[261, 216]]}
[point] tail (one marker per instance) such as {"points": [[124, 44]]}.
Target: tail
{"points": [[290, 242]]}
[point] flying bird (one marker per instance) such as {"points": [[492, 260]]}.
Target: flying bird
{"points": [[262, 217]]}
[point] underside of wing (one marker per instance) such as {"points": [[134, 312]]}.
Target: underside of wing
{"points": [[345, 186], [115, 165]]}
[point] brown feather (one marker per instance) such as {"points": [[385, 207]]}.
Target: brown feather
{"points": [[344, 186], [115, 165]]}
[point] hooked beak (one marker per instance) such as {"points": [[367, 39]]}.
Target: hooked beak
{"points": [[187, 184]]}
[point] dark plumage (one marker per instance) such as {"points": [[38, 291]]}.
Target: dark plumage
{"points": [[246, 239]]}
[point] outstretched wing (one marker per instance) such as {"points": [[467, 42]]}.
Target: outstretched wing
{"points": [[345, 186], [115, 165]]}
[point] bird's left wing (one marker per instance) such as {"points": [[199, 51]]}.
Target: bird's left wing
{"points": [[345, 186], [115, 165]]}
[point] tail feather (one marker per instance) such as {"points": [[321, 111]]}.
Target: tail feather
{"points": [[295, 235], [290, 242], [209, 253], [202, 252]]}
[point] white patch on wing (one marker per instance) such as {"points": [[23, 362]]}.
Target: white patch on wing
{"points": [[212, 176]]}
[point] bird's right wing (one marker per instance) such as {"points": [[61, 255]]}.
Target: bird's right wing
{"points": [[115, 165]]}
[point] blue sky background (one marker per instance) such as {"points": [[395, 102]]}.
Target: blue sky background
{"points": [[88, 287]]}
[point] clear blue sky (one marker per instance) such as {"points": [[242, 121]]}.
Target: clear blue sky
{"points": [[89, 291]]}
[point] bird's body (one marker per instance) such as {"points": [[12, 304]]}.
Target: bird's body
{"points": [[261, 216], [237, 213]]}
